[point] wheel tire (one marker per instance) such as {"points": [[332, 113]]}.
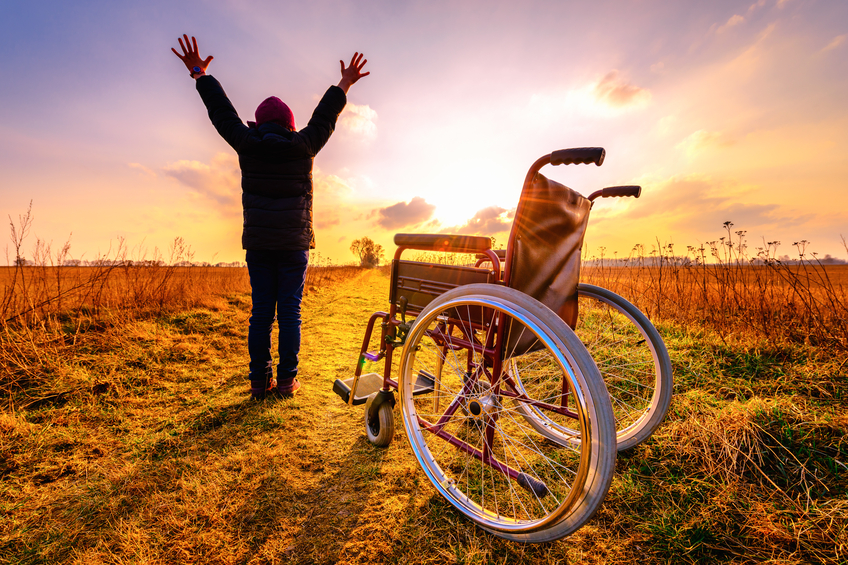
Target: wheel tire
{"points": [[640, 388], [379, 428], [556, 486]]}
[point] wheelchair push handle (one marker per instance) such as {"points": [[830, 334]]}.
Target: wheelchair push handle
{"points": [[579, 156], [573, 156], [617, 191]]}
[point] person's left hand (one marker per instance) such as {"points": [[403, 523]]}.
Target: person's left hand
{"points": [[190, 57], [354, 72]]}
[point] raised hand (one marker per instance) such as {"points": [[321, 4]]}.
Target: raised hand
{"points": [[353, 72], [191, 57]]}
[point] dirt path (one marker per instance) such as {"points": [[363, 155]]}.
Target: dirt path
{"points": [[345, 500]]}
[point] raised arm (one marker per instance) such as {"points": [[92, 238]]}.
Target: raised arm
{"points": [[221, 111], [191, 58], [353, 72]]}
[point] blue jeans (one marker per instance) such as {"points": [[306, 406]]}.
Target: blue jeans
{"points": [[277, 279]]}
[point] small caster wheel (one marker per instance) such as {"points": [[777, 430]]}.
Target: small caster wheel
{"points": [[380, 419]]}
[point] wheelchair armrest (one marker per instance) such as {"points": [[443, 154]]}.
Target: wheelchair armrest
{"points": [[440, 242], [500, 253]]}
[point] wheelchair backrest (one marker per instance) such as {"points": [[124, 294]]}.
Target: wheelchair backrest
{"points": [[546, 238]]}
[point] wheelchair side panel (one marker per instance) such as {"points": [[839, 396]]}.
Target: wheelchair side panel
{"points": [[421, 282]]}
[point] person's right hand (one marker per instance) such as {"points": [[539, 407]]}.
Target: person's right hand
{"points": [[191, 58]]}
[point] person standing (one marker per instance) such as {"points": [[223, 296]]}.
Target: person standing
{"points": [[276, 180]]}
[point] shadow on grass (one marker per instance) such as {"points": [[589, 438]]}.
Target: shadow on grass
{"points": [[311, 519], [236, 484]]}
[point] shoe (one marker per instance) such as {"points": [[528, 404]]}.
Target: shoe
{"points": [[288, 389], [259, 394]]}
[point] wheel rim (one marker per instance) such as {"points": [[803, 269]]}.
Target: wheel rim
{"points": [[471, 413]]}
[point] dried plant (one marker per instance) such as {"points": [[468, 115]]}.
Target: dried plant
{"points": [[721, 285]]}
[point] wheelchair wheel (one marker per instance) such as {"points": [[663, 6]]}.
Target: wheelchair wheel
{"points": [[632, 359], [458, 398], [379, 423]]}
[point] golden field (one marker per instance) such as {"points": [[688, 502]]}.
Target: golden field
{"points": [[783, 302], [127, 436]]}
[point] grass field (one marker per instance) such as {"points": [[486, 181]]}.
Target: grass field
{"points": [[132, 441]]}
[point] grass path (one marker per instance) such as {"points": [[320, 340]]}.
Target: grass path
{"points": [[149, 451]]}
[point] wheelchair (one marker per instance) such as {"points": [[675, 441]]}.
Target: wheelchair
{"points": [[517, 384]]}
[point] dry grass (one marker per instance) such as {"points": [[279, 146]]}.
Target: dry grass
{"points": [[141, 446], [51, 288], [41, 295], [127, 436], [778, 301]]}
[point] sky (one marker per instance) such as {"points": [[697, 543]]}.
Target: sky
{"points": [[722, 111]]}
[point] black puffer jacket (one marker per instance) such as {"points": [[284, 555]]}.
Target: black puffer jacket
{"points": [[276, 168]]}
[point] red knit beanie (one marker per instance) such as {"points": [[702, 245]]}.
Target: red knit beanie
{"points": [[275, 110]]}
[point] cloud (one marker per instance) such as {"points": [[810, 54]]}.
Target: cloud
{"points": [[488, 221], [616, 92], [402, 214], [734, 21], [836, 42], [330, 187], [142, 168], [359, 120], [697, 206], [756, 6], [700, 140], [219, 181], [330, 192]]}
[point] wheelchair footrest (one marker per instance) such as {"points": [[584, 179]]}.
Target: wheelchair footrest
{"points": [[368, 384], [424, 383]]}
